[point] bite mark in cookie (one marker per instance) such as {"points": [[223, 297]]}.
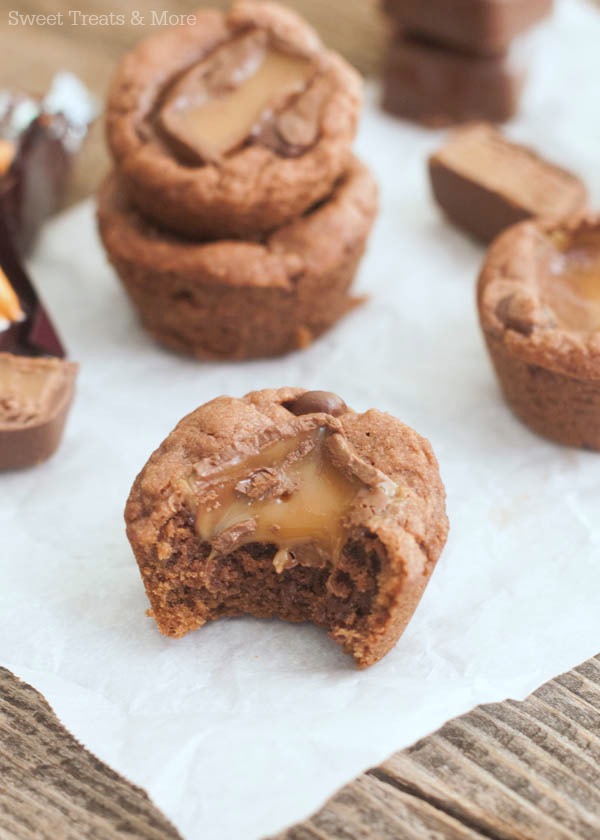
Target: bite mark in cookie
{"points": [[250, 508]]}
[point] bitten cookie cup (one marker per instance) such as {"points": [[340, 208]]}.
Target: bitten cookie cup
{"points": [[234, 125], [241, 300], [288, 504], [539, 307]]}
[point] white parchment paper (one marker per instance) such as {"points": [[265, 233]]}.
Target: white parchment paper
{"points": [[246, 726]]}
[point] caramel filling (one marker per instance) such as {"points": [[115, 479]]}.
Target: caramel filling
{"points": [[222, 102], [290, 495], [571, 288], [10, 308]]}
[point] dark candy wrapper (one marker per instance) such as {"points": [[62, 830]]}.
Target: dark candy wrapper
{"points": [[38, 141], [36, 383], [26, 330]]}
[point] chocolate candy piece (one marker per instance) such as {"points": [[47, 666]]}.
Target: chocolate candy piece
{"points": [[318, 402], [35, 396], [483, 27], [438, 86], [484, 183], [225, 100]]}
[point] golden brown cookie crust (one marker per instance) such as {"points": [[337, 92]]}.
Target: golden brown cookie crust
{"points": [[550, 374], [237, 300], [392, 551], [251, 191]]}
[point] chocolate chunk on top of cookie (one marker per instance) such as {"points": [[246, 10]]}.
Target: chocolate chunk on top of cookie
{"points": [[289, 504]]}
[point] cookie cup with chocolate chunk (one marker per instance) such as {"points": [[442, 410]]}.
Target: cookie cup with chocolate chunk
{"points": [[539, 308], [241, 300], [233, 125], [288, 504]]}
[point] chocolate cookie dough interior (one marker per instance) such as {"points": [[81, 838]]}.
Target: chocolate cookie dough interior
{"points": [[246, 90], [570, 287]]}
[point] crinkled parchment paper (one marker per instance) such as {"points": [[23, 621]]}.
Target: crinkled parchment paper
{"points": [[248, 725]]}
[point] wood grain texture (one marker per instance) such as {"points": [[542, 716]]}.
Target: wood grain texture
{"points": [[51, 788], [507, 771]]}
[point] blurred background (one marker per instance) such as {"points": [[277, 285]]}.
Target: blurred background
{"points": [[90, 47], [33, 52]]}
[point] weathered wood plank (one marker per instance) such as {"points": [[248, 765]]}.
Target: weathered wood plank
{"points": [[51, 787], [506, 771], [372, 808]]}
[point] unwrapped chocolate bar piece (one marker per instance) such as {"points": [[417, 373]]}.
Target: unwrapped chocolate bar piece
{"points": [[482, 27], [484, 183], [35, 397], [438, 86]]}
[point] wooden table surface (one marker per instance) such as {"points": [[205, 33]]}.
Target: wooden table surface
{"points": [[509, 771]]}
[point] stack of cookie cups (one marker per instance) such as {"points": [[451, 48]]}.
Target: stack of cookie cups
{"points": [[236, 214]]}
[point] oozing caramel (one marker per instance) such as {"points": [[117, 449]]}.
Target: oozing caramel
{"points": [[220, 103], [290, 495], [571, 287]]}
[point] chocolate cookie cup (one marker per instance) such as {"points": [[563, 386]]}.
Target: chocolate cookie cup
{"points": [[539, 307], [233, 125], [289, 504], [241, 300]]}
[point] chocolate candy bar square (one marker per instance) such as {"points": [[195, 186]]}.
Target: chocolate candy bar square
{"points": [[484, 183], [483, 27], [438, 86]]}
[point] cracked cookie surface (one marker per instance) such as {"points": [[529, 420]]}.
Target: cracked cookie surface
{"points": [[250, 508], [233, 125]]}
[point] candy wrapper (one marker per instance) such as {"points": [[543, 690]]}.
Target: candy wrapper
{"points": [[39, 139]]}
